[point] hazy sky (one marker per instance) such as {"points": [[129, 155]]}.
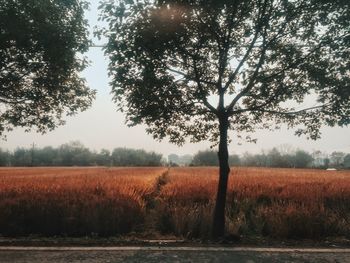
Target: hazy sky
{"points": [[103, 127]]}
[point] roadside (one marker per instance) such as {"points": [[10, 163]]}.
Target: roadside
{"points": [[167, 240], [171, 254]]}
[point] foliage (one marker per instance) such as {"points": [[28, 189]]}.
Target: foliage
{"points": [[337, 158], [205, 158], [4, 157], [302, 159], [262, 59], [130, 157], [210, 158], [277, 158], [76, 154], [41, 43], [273, 158], [347, 161]]}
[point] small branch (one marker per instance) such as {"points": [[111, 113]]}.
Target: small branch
{"points": [[252, 79], [246, 55], [201, 90], [186, 76], [11, 101], [177, 72], [290, 113]]}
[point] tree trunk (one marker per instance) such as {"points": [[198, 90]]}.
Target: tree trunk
{"points": [[218, 229]]}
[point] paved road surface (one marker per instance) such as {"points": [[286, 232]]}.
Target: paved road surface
{"points": [[170, 254]]}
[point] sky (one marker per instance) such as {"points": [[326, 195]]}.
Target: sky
{"points": [[103, 127]]}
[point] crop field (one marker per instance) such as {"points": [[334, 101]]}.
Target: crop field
{"points": [[276, 203], [74, 201]]}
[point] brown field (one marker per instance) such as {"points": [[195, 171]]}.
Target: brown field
{"points": [[277, 203], [74, 201]]}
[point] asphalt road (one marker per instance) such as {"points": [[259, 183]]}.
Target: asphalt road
{"points": [[170, 254]]}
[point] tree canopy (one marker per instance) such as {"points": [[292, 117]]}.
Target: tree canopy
{"points": [[76, 154], [41, 43], [267, 61]]}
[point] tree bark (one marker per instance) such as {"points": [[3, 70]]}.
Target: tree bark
{"points": [[218, 228]]}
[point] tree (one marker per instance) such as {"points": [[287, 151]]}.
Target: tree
{"points": [[254, 160], [347, 161], [205, 158], [131, 157], [302, 159], [22, 157], [74, 154], [337, 158], [40, 46], [276, 159], [326, 162], [5, 157], [260, 61], [235, 160], [103, 157], [46, 156], [318, 159]]}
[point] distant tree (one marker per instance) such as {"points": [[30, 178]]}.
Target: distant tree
{"points": [[249, 159], [173, 159], [286, 149], [45, 156], [347, 161], [22, 157], [318, 159], [131, 157], [5, 158], [326, 162], [205, 158], [276, 159], [40, 46], [74, 154], [261, 159], [337, 158], [302, 159], [169, 58], [103, 158], [234, 160]]}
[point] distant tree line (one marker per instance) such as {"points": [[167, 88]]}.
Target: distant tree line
{"points": [[282, 158], [76, 154]]}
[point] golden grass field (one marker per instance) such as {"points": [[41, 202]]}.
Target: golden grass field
{"points": [[277, 203]]}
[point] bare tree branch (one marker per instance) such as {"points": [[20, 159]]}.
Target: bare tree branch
{"points": [[201, 90], [290, 113], [250, 48], [252, 79]]}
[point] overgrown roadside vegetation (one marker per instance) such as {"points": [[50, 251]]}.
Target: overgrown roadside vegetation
{"points": [[288, 204]]}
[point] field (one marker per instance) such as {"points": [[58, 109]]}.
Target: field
{"points": [[149, 202]]}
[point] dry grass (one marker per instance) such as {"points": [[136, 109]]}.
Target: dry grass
{"points": [[287, 203], [74, 201], [282, 203]]}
